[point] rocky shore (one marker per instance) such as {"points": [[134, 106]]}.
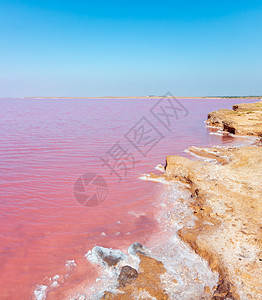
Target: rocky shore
{"points": [[243, 119], [225, 184], [227, 200]]}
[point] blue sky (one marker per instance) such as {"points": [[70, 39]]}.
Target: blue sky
{"points": [[129, 48]]}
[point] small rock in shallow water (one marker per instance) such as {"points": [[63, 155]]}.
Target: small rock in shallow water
{"points": [[127, 275], [109, 256]]}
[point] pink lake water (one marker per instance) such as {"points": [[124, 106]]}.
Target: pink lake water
{"points": [[47, 144]]}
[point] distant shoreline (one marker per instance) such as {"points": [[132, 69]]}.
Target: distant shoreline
{"points": [[138, 97]]}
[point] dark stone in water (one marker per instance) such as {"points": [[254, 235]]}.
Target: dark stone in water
{"points": [[137, 248], [127, 275], [109, 259]]}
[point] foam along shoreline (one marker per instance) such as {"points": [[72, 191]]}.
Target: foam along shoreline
{"points": [[166, 269]]}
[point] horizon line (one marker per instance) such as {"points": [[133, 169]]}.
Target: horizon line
{"points": [[130, 97]]}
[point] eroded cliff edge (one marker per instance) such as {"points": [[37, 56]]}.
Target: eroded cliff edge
{"points": [[243, 119], [227, 200]]}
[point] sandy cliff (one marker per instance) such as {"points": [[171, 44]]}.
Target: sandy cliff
{"points": [[243, 119], [227, 200]]}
